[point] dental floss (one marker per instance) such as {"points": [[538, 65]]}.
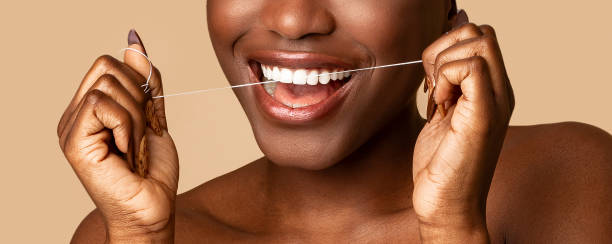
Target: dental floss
{"points": [[146, 85]]}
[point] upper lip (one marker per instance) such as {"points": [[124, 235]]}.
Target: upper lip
{"points": [[299, 60]]}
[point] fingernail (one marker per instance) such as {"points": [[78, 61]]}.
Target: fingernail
{"points": [[462, 17], [133, 38], [151, 118], [142, 166], [431, 107], [440, 108]]}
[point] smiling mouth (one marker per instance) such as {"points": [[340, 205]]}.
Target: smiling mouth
{"points": [[302, 87]]}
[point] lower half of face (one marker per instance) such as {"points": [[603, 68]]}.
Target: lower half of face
{"points": [[312, 114]]}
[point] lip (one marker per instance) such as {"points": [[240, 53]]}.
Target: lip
{"points": [[297, 116], [307, 60]]}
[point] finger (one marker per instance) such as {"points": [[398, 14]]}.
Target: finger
{"points": [[500, 71], [100, 121], [472, 76], [89, 136], [464, 32], [142, 65], [484, 46], [104, 65], [113, 88]]}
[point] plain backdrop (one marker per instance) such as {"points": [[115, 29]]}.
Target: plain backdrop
{"points": [[557, 54]]}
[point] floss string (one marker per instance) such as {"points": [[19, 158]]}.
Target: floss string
{"points": [[146, 85]]}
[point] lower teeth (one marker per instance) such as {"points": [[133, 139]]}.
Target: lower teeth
{"points": [[270, 87]]}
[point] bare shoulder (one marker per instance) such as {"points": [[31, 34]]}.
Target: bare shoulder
{"points": [[553, 185], [218, 211], [225, 209], [91, 229]]}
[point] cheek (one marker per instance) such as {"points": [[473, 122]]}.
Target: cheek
{"points": [[228, 20], [392, 30]]}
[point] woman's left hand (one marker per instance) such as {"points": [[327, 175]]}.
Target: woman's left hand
{"points": [[456, 152]]}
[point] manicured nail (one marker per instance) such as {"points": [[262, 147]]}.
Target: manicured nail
{"points": [[462, 17], [152, 120], [440, 107], [133, 38], [142, 164], [431, 107]]}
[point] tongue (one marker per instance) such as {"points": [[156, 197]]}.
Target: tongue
{"points": [[302, 95]]}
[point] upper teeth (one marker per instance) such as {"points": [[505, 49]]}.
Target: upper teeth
{"points": [[303, 76]]}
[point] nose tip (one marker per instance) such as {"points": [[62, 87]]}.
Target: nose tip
{"points": [[297, 19]]}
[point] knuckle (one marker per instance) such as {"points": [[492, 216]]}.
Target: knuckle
{"points": [[94, 96], [105, 62], [440, 59], [106, 81], [487, 29], [470, 28], [443, 58]]}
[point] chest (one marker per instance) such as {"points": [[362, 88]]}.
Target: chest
{"points": [[391, 230]]}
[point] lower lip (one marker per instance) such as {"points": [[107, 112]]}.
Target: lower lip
{"points": [[281, 112]]}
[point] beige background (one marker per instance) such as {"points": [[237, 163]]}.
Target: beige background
{"points": [[557, 54]]}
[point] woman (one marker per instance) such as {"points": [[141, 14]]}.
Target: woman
{"points": [[346, 160]]}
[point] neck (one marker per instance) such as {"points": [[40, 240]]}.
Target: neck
{"points": [[375, 179]]}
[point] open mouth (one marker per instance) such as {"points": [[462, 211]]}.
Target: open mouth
{"points": [[302, 87]]}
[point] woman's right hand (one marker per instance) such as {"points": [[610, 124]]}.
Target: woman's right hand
{"points": [[100, 134]]}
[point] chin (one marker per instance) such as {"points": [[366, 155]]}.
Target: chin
{"points": [[310, 156]]}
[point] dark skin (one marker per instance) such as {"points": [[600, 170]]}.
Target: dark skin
{"points": [[372, 171]]}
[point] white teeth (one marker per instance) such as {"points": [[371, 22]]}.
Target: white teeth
{"points": [[334, 75], [264, 70], [347, 74], [313, 77], [303, 76], [276, 74], [269, 72], [325, 77], [299, 77], [286, 76]]}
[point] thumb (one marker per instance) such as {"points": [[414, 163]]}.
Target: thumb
{"points": [[141, 65], [135, 60]]}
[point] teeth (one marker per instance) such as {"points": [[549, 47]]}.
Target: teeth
{"points": [[299, 77], [276, 75], [325, 77], [347, 74], [267, 71], [270, 88], [334, 75], [302, 76], [286, 76], [313, 77]]}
